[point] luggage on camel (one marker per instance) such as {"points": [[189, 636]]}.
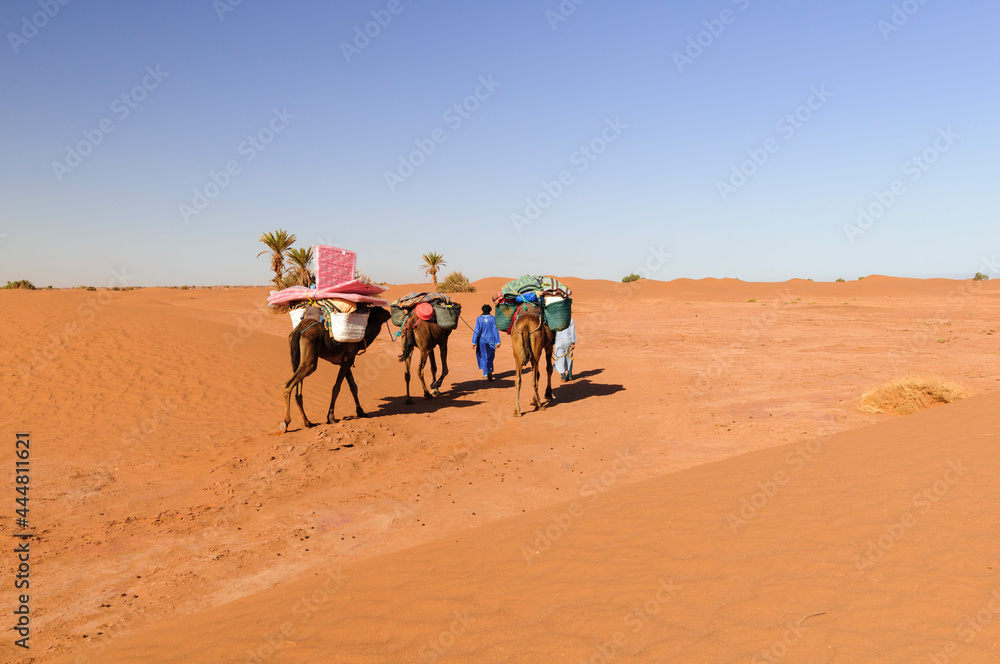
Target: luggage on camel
{"points": [[443, 311], [558, 312], [547, 293], [335, 279], [503, 312], [447, 315], [339, 299], [424, 311], [344, 327], [303, 311], [398, 314]]}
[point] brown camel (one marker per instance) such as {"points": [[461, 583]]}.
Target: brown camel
{"points": [[425, 335], [309, 342], [529, 337]]}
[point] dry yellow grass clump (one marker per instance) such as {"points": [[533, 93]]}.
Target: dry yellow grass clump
{"points": [[908, 394]]}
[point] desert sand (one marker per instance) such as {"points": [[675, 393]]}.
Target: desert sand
{"points": [[705, 491]]}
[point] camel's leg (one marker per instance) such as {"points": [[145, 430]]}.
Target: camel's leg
{"points": [[434, 371], [298, 402], [330, 419], [535, 362], [548, 370], [517, 380], [354, 391], [406, 374], [444, 367], [307, 365], [420, 370]]}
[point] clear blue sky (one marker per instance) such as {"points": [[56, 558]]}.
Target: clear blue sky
{"points": [[608, 71]]}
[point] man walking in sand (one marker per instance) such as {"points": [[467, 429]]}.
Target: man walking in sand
{"points": [[564, 345], [486, 340]]}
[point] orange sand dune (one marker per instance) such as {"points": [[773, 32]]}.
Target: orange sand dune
{"points": [[161, 490], [872, 546]]}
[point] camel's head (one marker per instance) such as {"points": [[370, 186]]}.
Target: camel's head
{"points": [[377, 316]]}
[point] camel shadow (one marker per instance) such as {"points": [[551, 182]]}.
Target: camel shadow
{"points": [[396, 405], [582, 388]]}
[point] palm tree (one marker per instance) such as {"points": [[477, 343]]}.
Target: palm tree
{"points": [[278, 243], [300, 259], [432, 263]]}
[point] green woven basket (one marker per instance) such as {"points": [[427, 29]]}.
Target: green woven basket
{"points": [[558, 314], [504, 311], [446, 315], [398, 314]]}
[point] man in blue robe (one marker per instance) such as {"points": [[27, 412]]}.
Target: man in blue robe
{"points": [[486, 339]]}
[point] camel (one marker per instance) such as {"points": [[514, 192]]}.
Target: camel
{"points": [[529, 337], [425, 335], [309, 342]]}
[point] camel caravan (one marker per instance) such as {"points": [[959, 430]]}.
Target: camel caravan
{"points": [[340, 316]]}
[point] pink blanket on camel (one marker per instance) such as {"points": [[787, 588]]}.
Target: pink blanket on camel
{"points": [[355, 290]]}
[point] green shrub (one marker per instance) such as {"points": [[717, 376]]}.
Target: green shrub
{"points": [[630, 278], [20, 283], [456, 282], [840, 281], [981, 277]]}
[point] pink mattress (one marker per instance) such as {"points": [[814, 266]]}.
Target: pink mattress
{"points": [[334, 266]]}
